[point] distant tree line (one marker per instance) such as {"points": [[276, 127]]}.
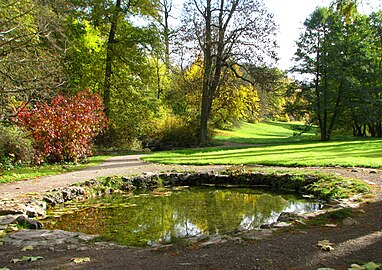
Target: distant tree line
{"points": [[340, 55]]}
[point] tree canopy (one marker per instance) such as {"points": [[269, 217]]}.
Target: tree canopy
{"points": [[338, 52], [165, 86], [227, 33]]}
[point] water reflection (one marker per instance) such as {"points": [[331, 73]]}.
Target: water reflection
{"points": [[149, 219]]}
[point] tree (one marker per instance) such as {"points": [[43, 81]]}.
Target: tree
{"points": [[117, 12], [32, 49], [111, 54], [326, 54], [337, 54], [226, 33], [166, 9], [113, 19], [375, 21], [271, 84]]}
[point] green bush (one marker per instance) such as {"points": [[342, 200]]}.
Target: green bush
{"points": [[172, 131], [15, 147]]}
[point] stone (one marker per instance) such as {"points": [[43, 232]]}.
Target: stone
{"points": [[279, 225], [58, 196], [91, 182], [40, 238], [8, 219], [289, 217], [86, 237], [36, 209], [265, 226], [28, 222], [26, 206], [257, 234], [350, 221], [73, 246], [213, 241], [12, 209]]}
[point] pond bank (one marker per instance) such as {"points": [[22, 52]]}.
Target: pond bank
{"points": [[360, 242]]}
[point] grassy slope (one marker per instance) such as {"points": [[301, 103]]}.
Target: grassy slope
{"points": [[278, 147], [262, 133]]}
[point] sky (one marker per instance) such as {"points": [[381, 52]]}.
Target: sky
{"points": [[290, 15]]}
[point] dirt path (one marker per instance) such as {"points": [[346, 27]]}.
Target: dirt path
{"points": [[295, 249]]}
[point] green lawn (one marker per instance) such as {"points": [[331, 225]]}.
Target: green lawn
{"points": [[276, 145], [31, 172], [264, 133]]}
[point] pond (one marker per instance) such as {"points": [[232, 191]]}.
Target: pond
{"points": [[163, 215]]}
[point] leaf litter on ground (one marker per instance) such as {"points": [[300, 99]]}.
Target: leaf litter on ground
{"points": [[366, 266], [26, 248], [325, 245], [27, 259], [80, 260]]}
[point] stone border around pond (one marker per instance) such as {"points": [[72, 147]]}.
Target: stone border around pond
{"points": [[13, 212]]}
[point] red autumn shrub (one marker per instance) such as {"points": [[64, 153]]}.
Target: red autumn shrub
{"points": [[64, 129]]}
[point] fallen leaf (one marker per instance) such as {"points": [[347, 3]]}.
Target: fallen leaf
{"points": [[32, 258], [366, 266], [371, 266], [5, 268], [26, 248], [16, 260], [27, 259], [355, 266], [80, 260], [325, 245]]}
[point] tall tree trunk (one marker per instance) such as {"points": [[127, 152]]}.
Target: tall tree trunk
{"points": [[110, 52], [207, 76], [325, 136], [166, 34]]}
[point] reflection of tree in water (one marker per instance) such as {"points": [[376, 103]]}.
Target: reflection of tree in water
{"points": [[144, 219]]}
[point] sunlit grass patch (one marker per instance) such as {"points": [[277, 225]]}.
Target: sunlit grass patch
{"points": [[267, 132], [278, 149]]}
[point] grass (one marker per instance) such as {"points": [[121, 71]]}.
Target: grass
{"points": [[264, 133], [31, 172], [274, 144]]}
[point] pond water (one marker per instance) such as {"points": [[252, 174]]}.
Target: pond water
{"points": [[161, 216]]}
